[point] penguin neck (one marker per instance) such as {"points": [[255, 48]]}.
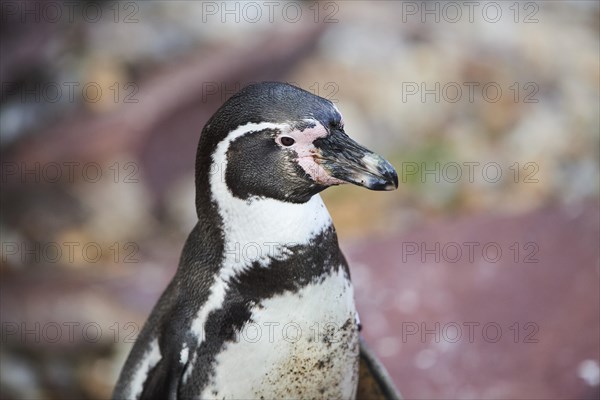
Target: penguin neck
{"points": [[265, 222]]}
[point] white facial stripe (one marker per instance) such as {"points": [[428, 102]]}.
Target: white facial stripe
{"points": [[151, 358], [253, 231]]}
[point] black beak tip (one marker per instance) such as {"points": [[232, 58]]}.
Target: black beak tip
{"points": [[387, 181], [394, 179], [389, 177]]}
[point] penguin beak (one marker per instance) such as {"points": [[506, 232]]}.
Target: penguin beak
{"points": [[348, 161]]}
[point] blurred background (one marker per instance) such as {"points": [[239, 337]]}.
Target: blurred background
{"points": [[478, 278]]}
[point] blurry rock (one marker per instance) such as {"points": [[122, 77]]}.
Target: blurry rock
{"points": [[118, 205], [180, 204]]}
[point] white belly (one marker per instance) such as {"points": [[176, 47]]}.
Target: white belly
{"points": [[300, 345]]}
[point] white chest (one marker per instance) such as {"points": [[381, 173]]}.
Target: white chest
{"points": [[300, 345]]}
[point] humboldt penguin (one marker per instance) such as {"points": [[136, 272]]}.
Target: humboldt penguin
{"points": [[262, 305]]}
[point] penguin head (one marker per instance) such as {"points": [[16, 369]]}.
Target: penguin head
{"points": [[277, 141]]}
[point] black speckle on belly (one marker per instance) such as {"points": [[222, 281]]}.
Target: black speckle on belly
{"points": [[318, 368]]}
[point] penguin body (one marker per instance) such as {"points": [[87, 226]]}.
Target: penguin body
{"points": [[262, 303]]}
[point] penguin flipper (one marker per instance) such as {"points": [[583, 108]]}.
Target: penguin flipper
{"points": [[374, 383], [159, 378], [164, 379], [160, 383]]}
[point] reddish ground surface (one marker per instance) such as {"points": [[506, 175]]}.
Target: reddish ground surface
{"points": [[525, 327]]}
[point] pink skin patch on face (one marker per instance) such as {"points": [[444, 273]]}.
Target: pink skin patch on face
{"points": [[306, 151]]}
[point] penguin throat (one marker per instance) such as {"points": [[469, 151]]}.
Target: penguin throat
{"points": [[262, 229]]}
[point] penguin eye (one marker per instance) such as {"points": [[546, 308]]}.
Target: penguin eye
{"points": [[287, 141]]}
